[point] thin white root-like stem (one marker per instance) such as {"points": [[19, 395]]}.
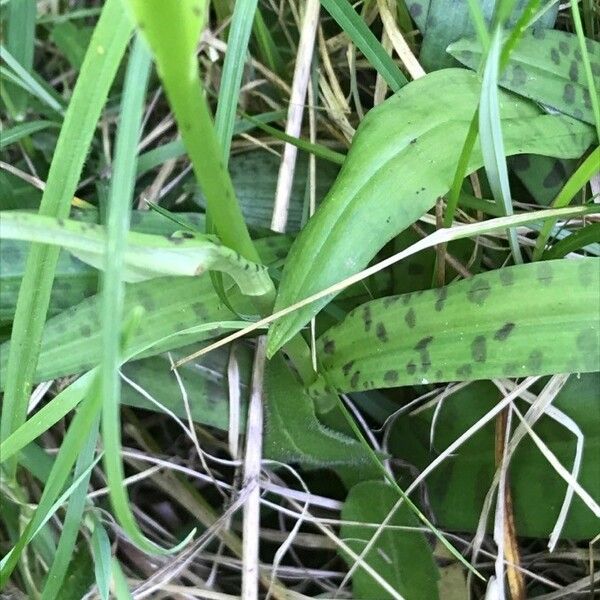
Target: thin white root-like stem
{"points": [[252, 464]]}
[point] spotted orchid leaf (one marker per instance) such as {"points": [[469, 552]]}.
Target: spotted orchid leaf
{"points": [[146, 256], [489, 326], [403, 158], [546, 66]]}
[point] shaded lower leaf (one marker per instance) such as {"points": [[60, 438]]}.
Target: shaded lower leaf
{"points": [[456, 489], [492, 325], [292, 431], [403, 558]]}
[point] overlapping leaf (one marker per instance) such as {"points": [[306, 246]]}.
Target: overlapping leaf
{"points": [[546, 66], [402, 159]]}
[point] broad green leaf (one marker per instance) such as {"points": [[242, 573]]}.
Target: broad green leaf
{"points": [[456, 489], [292, 431], [532, 319], [542, 176], [145, 257], [173, 306], [402, 159], [403, 558], [547, 67], [71, 340]]}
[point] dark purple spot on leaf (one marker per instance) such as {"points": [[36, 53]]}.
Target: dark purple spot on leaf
{"points": [[555, 56], [563, 47], [354, 379], [534, 362], [391, 376], [479, 291], [464, 370], [504, 331], [329, 347], [569, 93], [367, 318], [574, 71], [381, 332], [442, 294], [347, 368], [411, 368], [556, 175], [410, 317], [479, 349]]}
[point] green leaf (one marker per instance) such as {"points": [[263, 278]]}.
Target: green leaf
{"points": [[72, 41], [292, 431], [402, 159], [489, 326], [101, 552], [177, 312], [172, 30], [456, 489], [20, 37], [254, 175], [145, 257], [403, 558], [546, 66]]}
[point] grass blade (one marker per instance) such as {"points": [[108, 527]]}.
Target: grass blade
{"points": [[492, 144], [100, 65], [113, 290], [237, 46], [356, 29]]}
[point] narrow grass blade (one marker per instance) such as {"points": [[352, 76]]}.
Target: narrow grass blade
{"points": [[20, 33], [28, 81], [18, 132], [229, 91], [581, 176], [100, 65], [72, 522], [492, 143], [356, 29]]}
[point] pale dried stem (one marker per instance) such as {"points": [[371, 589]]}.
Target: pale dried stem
{"points": [[295, 112]]}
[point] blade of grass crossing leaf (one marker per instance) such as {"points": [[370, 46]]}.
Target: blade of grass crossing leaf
{"points": [[490, 134], [100, 545], [267, 48], [233, 69], [113, 290], [28, 82], [516, 32], [586, 65], [100, 65], [578, 180], [65, 459], [479, 23], [356, 29], [18, 132], [20, 33], [317, 149], [120, 587], [72, 522]]}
